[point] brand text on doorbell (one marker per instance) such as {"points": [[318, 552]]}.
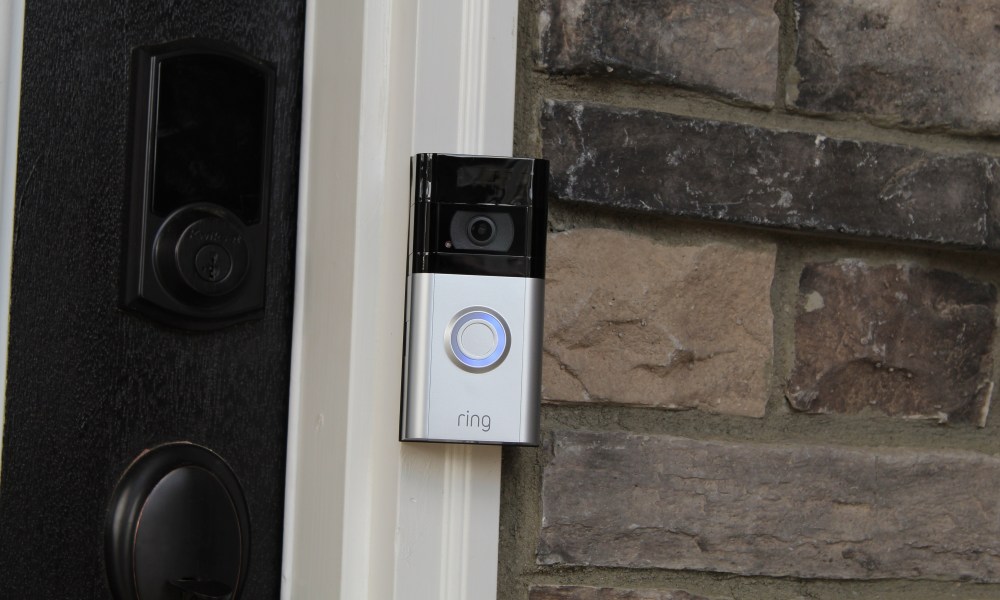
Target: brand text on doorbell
{"points": [[475, 285]]}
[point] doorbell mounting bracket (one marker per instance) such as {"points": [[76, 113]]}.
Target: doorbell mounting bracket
{"points": [[475, 284], [203, 115]]}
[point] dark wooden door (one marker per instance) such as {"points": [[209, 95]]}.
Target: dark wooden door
{"points": [[90, 386]]}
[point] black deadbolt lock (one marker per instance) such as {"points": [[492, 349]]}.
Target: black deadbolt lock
{"points": [[201, 165]]}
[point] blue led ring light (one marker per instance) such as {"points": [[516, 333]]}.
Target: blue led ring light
{"points": [[488, 318]]}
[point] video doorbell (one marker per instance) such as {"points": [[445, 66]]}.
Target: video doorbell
{"points": [[475, 283]]}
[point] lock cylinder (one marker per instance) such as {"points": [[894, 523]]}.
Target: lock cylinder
{"points": [[201, 253]]}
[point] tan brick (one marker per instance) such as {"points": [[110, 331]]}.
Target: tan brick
{"points": [[724, 47], [577, 592], [632, 321], [653, 501]]}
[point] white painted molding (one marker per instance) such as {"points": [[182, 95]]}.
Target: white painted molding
{"points": [[367, 516], [450, 495], [321, 332], [11, 40]]}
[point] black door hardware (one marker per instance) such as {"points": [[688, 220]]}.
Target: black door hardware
{"points": [[201, 161]]}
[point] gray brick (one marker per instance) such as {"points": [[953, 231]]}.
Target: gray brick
{"points": [[632, 321], [921, 63], [664, 164], [653, 501], [897, 339], [723, 47]]}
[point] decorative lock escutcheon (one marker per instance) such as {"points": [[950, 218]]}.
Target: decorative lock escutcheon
{"points": [[200, 186]]}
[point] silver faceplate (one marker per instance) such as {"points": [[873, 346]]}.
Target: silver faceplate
{"points": [[445, 403]]}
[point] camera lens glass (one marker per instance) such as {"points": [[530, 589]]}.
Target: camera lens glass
{"points": [[487, 230], [482, 230]]}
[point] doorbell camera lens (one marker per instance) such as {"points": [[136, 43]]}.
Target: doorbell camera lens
{"points": [[482, 230], [476, 231]]}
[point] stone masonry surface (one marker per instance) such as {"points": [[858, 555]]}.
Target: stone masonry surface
{"points": [[782, 218], [917, 63], [665, 164], [632, 321], [724, 47], [574, 592], [639, 501], [898, 339]]}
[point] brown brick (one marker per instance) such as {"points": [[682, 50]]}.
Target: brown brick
{"points": [[664, 164], [632, 321], [653, 501], [897, 339], [575, 592], [921, 63], [723, 47]]}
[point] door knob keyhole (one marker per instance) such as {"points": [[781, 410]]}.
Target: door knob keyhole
{"points": [[195, 589]]}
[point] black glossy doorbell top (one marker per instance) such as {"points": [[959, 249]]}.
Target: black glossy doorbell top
{"points": [[202, 127], [478, 215]]}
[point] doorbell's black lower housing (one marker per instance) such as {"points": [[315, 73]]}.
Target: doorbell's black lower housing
{"points": [[475, 285], [200, 184]]}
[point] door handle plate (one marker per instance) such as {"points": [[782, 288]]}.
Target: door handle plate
{"points": [[178, 527]]}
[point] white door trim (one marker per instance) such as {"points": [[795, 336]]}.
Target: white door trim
{"points": [[366, 516], [11, 40]]}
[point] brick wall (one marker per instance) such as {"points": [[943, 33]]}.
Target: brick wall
{"points": [[771, 304]]}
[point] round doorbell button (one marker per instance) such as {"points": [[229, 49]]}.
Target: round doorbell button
{"points": [[477, 339]]}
